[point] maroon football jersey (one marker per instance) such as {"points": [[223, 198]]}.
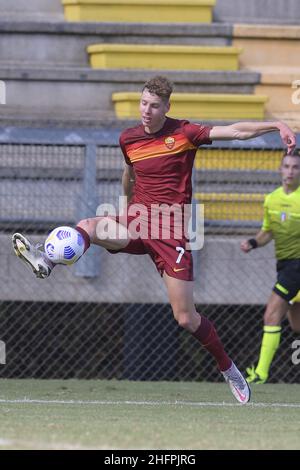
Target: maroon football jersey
{"points": [[163, 161]]}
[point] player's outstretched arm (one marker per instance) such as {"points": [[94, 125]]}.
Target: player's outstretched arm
{"points": [[249, 130], [262, 238]]}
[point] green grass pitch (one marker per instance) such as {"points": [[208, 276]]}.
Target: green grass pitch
{"points": [[99, 414]]}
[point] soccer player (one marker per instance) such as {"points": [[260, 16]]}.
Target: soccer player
{"points": [[281, 224], [159, 155]]}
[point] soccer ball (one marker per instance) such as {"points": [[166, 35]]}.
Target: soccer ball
{"points": [[64, 245]]}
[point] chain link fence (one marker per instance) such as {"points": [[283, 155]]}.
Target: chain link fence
{"points": [[108, 316]]}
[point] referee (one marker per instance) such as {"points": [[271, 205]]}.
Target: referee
{"points": [[282, 224]]}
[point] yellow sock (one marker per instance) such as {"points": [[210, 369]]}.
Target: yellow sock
{"points": [[269, 346]]}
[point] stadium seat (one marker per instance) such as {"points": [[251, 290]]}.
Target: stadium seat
{"points": [[156, 11], [198, 106], [162, 57]]}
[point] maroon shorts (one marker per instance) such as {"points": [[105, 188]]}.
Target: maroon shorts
{"points": [[169, 255]]}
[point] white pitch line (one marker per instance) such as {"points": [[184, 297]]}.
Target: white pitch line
{"points": [[29, 401], [5, 442]]}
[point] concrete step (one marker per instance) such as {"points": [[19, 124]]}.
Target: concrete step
{"points": [[152, 57], [195, 106], [35, 10], [267, 45], [257, 11], [273, 51], [156, 11], [282, 86], [64, 44], [83, 95]]}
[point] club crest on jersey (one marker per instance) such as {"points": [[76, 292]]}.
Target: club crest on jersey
{"points": [[170, 142]]}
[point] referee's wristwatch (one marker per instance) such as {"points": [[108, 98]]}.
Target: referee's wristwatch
{"points": [[253, 243]]}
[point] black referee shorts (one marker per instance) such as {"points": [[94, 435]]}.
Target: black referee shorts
{"points": [[288, 278]]}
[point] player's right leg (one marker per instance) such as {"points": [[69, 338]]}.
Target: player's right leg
{"points": [[108, 234]]}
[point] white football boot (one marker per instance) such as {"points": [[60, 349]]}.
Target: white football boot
{"points": [[32, 255], [238, 385]]}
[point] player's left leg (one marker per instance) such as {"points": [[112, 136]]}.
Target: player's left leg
{"points": [[180, 294]]}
